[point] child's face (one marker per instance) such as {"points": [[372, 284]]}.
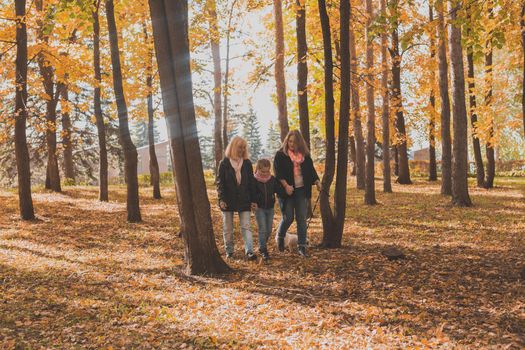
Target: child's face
{"points": [[264, 171]]}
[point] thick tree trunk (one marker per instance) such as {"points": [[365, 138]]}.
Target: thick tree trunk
{"points": [[385, 114], [280, 81], [22, 154], [356, 116], [370, 196], [329, 166], [215, 38], [170, 30], [99, 118], [130, 152], [489, 147], [69, 167], [460, 196], [522, 25], [47, 72], [446, 149], [153, 162], [302, 71], [397, 102], [432, 169]]}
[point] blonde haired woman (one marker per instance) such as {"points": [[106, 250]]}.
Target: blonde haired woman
{"points": [[295, 170], [237, 193]]}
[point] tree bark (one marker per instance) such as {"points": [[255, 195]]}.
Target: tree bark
{"points": [[211, 7], [460, 195], [226, 79], [489, 146], [522, 25], [370, 196], [397, 102], [385, 115], [99, 118], [22, 154], [153, 162], [353, 156], [356, 116], [329, 166], [446, 149], [69, 167], [130, 152], [47, 72], [302, 71], [170, 31], [280, 81], [396, 161], [432, 169], [480, 171]]}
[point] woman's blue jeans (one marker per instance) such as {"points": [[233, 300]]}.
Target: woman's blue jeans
{"points": [[296, 204]]}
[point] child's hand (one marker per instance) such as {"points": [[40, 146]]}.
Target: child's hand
{"points": [[318, 185], [255, 206], [222, 205], [289, 190]]}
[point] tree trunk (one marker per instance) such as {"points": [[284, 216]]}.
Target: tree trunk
{"points": [[215, 38], [226, 78], [170, 31], [370, 196], [489, 147], [329, 166], [356, 116], [47, 72], [130, 152], [22, 154], [99, 118], [302, 71], [69, 167], [446, 149], [460, 196], [280, 81], [522, 25], [396, 161], [153, 162], [480, 171], [353, 156], [397, 102], [432, 169], [385, 115]]}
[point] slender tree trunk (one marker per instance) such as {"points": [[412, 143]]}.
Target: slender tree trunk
{"points": [[215, 39], [302, 71], [356, 116], [170, 30], [385, 114], [446, 149], [489, 147], [130, 152], [353, 156], [522, 25], [329, 166], [99, 118], [397, 102], [22, 154], [153, 162], [370, 196], [69, 167], [396, 161], [460, 196], [480, 171], [47, 72], [280, 81], [226, 79], [432, 169]]}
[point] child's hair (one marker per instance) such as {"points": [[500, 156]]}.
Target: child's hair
{"points": [[263, 163]]}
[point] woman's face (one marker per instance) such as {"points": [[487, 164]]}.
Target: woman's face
{"points": [[291, 143], [264, 171], [241, 149]]}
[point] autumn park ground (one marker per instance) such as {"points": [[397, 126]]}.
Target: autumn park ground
{"points": [[82, 278]]}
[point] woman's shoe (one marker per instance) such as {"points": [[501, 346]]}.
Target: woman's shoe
{"points": [[302, 252]]}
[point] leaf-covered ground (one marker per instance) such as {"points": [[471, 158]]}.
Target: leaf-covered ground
{"points": [[82, 278]]}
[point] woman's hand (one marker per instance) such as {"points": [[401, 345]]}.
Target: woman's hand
{"points": [[289, 189], [318, 185], [222, 205]]}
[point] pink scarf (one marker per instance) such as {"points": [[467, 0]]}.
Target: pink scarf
{"points": [[262, 178], [237, 166], [297, 159]]}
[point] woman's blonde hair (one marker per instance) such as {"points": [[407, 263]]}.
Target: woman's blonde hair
{"points": [[235, 142], [300, 143]]}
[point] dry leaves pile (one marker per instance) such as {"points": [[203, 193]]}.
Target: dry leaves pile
{"points": [[81, 277]]}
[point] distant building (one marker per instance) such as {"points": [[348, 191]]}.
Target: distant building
{"points": [[421, 154], [162, 149]]}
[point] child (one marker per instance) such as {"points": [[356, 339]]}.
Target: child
{"points": [[266, 186]]}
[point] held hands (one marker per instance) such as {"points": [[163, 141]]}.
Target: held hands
{"points": [[289, 189], [222, 205], [255, 206], [318, 185]]}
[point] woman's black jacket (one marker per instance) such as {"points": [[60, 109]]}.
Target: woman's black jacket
{"points": [[238, 197], [283, 167]]}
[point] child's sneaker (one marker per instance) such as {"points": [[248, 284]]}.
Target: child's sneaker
{"points": [[229, 256], [265, 255], [250, 256]]}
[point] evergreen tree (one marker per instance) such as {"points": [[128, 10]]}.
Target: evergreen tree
{"points": [[250, 132], [139, 133], [207, 151], [274, 140]]}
